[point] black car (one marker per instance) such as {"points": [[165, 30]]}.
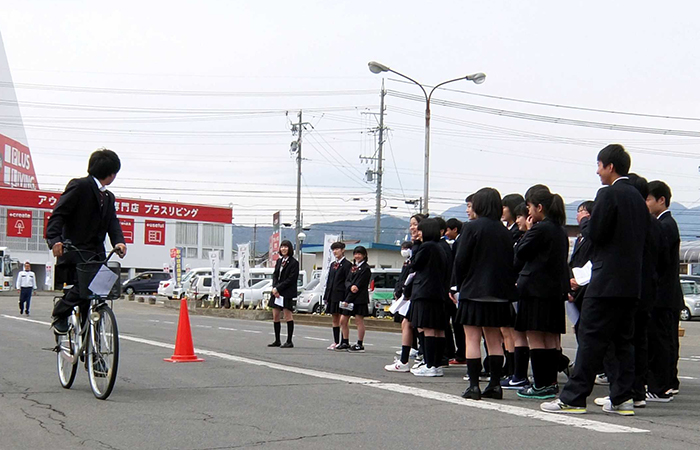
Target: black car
{"points": [[146, 282]]}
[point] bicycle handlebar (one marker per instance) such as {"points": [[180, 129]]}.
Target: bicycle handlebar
{"points": [[69, 247]]}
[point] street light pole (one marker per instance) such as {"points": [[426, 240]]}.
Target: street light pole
{"points": [[477, 78]]}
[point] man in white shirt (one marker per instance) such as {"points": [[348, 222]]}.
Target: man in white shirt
{"points": [[26, 283]]}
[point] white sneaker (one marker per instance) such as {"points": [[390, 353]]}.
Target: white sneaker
{"points": [[602, 380], [623, 409], [602, 401], [397, 366], [412, 354], [559, 407], [418, 364], [332, 346], [424, 371]]}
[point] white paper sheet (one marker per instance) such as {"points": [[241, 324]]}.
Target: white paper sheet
{"points": [[572, 312], [409, 278], [279, 301], [103, 281], [404, 308], [397, 304], [582, 275]]}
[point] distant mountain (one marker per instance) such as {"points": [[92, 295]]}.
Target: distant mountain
{"points": [[395, 229]]}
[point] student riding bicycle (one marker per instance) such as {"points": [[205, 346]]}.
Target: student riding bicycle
{"points": [[84, 215]]}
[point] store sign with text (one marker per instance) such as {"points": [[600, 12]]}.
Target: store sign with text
{"points": [[128, 229], [154, 233], [19, 223], [16, 165]]}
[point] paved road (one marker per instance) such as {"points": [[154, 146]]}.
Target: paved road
{"points": [[246, 395]]}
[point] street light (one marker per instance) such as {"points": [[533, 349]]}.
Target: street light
{"points": [[301, 236], [477, 78]]}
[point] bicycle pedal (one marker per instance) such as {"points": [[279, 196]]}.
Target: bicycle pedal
{"points": [[55, 349]]}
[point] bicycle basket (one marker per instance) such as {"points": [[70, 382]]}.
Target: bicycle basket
{"points": [[86, 272]]}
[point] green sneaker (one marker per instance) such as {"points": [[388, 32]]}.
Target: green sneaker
{"points": [[557, 406], [538, 393]]}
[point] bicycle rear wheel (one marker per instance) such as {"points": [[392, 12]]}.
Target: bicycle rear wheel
{"points": [[67, 348], [103, 353]]}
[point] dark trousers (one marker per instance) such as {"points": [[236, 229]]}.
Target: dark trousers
{"points": [[675, 348], [660, 350], [603, 321], [456, 350], [25, 298], [70, 299], [641, 356], [451, 311]]}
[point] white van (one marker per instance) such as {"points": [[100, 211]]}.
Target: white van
{"points": [[179, 292]]}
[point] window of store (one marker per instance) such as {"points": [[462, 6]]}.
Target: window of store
{"points": [[187, 237]]}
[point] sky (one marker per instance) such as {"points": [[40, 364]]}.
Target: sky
{"points": [[198, 98]]}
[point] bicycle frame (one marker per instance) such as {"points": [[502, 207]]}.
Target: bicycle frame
{"points": [[81, 333]]}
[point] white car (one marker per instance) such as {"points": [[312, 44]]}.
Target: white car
{"points": [[252, 296], [165, 288], [311, 300], [199, 287]]}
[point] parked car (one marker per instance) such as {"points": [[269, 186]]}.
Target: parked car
{"points": [[382, 290], [199, 287], [179, 292], [250, 297], [146, 282], [301, 286], [691, 295], [311, 300]]}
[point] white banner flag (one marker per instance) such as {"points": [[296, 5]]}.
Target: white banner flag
{"points": [[215, 282], [328, 257], [244, 264]]}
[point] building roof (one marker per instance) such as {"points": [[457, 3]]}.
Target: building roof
{"points": [[349, 246]]}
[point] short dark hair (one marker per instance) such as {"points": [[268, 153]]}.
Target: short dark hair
{"points": [[639, 183], [510, 201], [406, 244], [521, 210], [454, 223], [361, 250], [658, 189], [587, 205], [616, 155], [469, 198], [289, 245], [487, 203], [103, 163], [430, 229], [340, 245], [441, 222]]}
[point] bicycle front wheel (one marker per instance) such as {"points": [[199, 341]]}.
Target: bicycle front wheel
{"points": [[103, 353], [65, 354]]}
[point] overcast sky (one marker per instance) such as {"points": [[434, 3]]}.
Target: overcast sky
{"points": [[192, 95]]}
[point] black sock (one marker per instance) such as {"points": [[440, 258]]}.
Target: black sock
{"points": [[562, 359], [414, 341], [538, 359], [429, 353], [440, 343], [336, 335], [522, 359], [405, 351], [290, 330], [278, 327], [496, 364], [473, 370], [510, 363], [557, 363], [421, 344], [359, 342], [345, 341]]}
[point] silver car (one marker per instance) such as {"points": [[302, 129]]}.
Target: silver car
{"points": [[691, 294], [311, 300]]}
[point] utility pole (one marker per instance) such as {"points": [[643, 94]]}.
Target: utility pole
{"points": [[378, 158], [297, 129], [255, 241]]}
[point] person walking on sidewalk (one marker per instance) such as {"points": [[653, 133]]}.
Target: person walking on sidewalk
{"points": [[26, 284]]}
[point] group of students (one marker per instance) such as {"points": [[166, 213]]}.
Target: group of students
{"points": [[509, 285]]}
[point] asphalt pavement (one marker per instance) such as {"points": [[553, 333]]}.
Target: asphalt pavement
{"points": [[248, 395]]}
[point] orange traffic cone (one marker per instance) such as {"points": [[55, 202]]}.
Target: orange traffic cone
{"points": [[184, 350]]}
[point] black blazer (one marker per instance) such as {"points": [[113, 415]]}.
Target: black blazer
{"points": [[78, 216], [669, 290], [542, 253], [515, 233], [335, 284], [655, 261], [408, 288], [483, 266], [617, 229], [399, 287], [583, 250], [432, 278], [360, 277], [285, 277]]}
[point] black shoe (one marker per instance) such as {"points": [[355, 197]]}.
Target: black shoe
{"points": [[495, 392], [275, 344], [472, 392], [60, 325], [342, 348], [99, 368], [287, 345], [357, 348], [21, 312]]}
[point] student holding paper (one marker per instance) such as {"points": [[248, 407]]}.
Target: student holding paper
{"points": [[356, 301], [284, 289], [579, 257]]}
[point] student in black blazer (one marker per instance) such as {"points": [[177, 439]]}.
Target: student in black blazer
{"points": [[670, 300], [430, 289], [452, 233], [580, 255], [450, 349], [284, 290], [84, 214], [356, 302], [483, 269], [335, 288], [617, 230], [510, 202], [543, 284]]}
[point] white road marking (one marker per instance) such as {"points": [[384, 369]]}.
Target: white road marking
{"points": [[169, 323], [687, 378], [577, 422], [251, 331], [203, 326], [227, 329], [153, 320], [316, 339]]}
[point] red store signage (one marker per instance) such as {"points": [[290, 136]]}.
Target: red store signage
{"points": [[16, 166], [154, 233], [47, 216], [127, 207], [19, 223], [127, 229]]}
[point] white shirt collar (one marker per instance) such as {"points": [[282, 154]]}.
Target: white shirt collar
{"points": [[360, 263], [340, 260], [667, 211], [99, 185], [620, 178]]}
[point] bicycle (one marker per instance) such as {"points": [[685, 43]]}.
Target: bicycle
{"points": [[93, 339]]}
